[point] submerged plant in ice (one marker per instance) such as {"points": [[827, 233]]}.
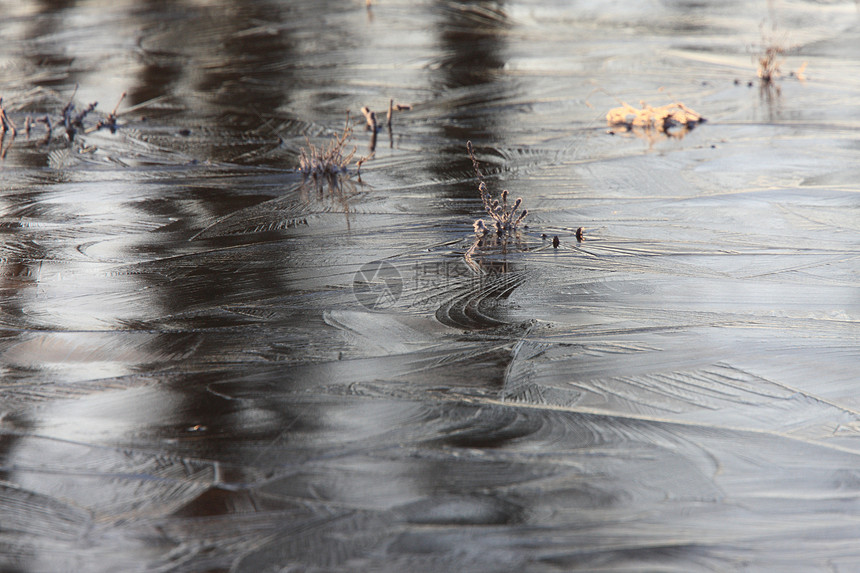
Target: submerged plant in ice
{"points": [[769, 57], [504, 216], [70, 120], [769, 63], [330, 159]]}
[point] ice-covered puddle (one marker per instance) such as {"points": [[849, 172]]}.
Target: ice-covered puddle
{"points": [[212, 361]]}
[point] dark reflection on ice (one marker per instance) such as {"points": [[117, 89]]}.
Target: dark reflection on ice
{"points": [[191, 378]]}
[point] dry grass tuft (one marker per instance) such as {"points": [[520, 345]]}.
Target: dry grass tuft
{"points": [[769, 63], [329, 159], [505, 216]]}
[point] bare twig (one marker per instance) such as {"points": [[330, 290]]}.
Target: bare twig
{"points": [[78, 120], [50, 128], [390, 113], [361, 161], [72, 123], [370, 117], [6, 124], [110, 121], [392, 107]]}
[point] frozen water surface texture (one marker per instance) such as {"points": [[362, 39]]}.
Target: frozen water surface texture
{"points": [[219, 353]]}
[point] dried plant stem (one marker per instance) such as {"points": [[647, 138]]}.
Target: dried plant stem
{"points": [[390, 113], [72, 123], [370, 117], [50, 129], [506, 219], [110, 121], [6, 124]]}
